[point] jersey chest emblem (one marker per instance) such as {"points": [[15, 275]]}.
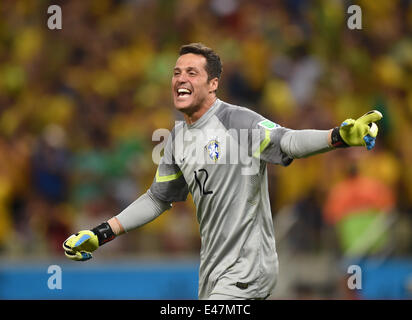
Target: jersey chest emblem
{"points": [[213, 149]]}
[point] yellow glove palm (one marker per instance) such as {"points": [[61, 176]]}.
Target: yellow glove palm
{"points": [[80, 245]]}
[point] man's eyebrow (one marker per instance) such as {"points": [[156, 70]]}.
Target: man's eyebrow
{"points": [[188, 69], [192, 69]]}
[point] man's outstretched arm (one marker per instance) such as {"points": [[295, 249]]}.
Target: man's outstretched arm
{"points": [[146, 208], [304, 143]]}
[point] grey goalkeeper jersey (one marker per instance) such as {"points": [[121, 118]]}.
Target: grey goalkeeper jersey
{"points": [[221, 160]]}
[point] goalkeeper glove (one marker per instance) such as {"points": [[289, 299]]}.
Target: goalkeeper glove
{"points": [[359, 132], [79, 246]]}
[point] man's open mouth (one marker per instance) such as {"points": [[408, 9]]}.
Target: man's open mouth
{"points": [[183, 92]]}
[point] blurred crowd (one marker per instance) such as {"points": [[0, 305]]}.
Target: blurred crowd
{"points": [[78, 107]]}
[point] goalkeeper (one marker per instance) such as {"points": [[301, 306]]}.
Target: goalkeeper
{"points": [[238, 258]]}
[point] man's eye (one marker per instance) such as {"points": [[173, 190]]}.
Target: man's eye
{"points": [[192, 73]]}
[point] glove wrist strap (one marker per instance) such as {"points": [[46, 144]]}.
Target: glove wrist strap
{"points": [[104, 233], [337, 141]]}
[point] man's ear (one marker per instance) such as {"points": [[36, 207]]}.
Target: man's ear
{"points": [[213, 84]]}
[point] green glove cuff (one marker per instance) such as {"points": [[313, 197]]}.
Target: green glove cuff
{"points": [[104, 233], [337, 141]]}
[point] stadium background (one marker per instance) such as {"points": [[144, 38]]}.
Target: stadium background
{"points": [[78, 108]]}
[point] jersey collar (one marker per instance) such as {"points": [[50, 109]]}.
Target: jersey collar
{"points": [[206, 116]]}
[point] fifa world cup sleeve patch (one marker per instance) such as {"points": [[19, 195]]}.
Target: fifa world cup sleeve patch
{"points": [[267, 124]]}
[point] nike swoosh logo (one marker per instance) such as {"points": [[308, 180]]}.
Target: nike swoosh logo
{"points": [[106, 228]]}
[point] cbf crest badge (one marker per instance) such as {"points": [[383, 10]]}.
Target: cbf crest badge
{"points": [[213, 149]]}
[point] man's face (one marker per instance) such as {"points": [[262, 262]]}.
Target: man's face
{"points": [[189, 83]]}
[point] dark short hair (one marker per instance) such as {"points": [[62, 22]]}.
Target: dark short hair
{"points": [[213, 63]]}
